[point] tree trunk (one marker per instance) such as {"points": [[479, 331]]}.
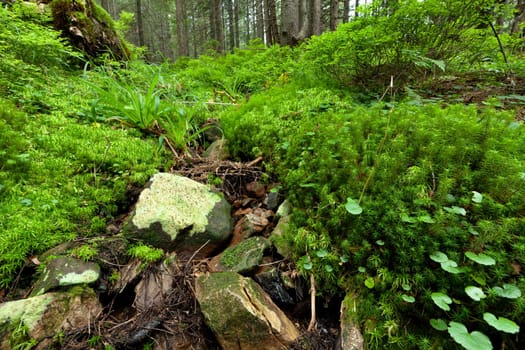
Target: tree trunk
{"points": [[216, 24], [247, 19], [231, 31], [272, 36], [305, 20], [316, 12], [518, 18], [346, 10], [334, 14], [259, 19], [140, 25], [182, 33], [236, 23], [289, 22]]}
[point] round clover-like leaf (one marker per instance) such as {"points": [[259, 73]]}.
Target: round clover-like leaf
{"points": [[438, 324], [370, 283], [427, 219], [508, 291], [321, 253], [456, 210], [470, 341], [475, 293], [501, 323], [408, 298], [439, 257], [352, 206], [481, 258], [476, 197], [452, 267], [441, 300], [308, 265]]}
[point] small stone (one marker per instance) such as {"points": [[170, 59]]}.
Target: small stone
{"points": [[217, 151], [350, 337], [243, 257], [253, 222], [272, 199]]}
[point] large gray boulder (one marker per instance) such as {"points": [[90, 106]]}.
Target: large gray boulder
{"points": [[43, 316], [241, 315], [177, 213]]}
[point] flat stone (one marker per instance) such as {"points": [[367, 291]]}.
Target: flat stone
{"points": [[65, 271]]}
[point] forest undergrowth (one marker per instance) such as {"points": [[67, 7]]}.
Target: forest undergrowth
{"points": [[403, 159]]}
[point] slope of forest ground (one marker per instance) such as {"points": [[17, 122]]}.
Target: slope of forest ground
{"points": [[403, 159]]}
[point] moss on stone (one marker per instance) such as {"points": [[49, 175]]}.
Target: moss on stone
{"points": [[245, 255], [184, 203], [27, 311]]}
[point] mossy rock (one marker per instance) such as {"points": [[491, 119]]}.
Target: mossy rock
{"points": [[244, 256], [177, 213], [40, 318], [89, 28], [241, 314], [65, 271]]}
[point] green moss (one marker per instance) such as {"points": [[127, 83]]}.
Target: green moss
{"points": [[245, 255]]}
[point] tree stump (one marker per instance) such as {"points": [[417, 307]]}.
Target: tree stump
{"points": [[89, 28]]}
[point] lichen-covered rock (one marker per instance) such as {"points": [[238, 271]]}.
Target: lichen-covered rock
{"points": [[65, 271], [241, 314], [45, 315], [175, 212], [244, 256]]}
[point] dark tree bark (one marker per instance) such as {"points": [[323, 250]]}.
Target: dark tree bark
{"points": [[89, 27], [217, 24], [231, 30], [334, 14], [236, 23], [272, 34]]}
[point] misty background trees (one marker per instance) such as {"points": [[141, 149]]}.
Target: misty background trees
{"points": [[172, 28]]}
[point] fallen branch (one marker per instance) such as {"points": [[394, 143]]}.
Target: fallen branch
{"points": [[313, 321]]}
